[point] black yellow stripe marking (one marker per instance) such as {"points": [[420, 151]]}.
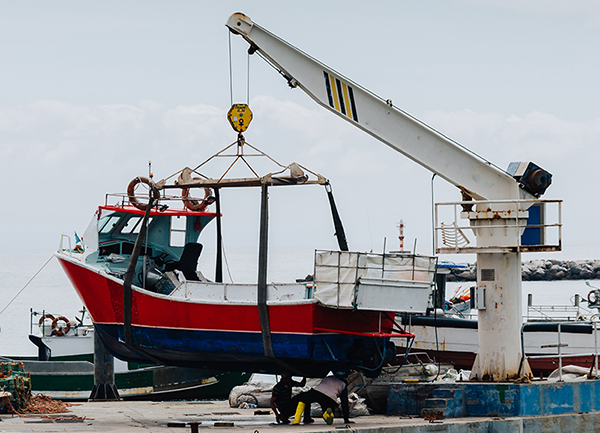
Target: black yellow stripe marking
{"points": [[340, 96]]}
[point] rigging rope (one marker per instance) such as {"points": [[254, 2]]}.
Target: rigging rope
{"points": [[25, 286], [226, 262]]}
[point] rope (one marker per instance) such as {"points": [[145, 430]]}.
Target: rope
{"points": [[225, 258], [25, 286]]}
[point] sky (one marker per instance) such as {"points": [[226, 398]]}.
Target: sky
{"points": [[92, 91]]}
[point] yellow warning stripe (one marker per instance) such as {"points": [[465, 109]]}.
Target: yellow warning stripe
{"points": [[335, 93], [340, 96], [346, 100]]}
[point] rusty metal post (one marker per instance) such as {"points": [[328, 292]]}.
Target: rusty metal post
{"points": [[104, 373]]}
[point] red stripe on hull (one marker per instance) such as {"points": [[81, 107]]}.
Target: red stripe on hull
{"points": [[103, 297]]}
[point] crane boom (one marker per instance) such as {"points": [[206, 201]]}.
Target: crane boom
{"points": [[379, 118], [497, 220]]}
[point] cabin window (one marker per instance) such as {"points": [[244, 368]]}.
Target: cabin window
{"points": [[134, 224], [178, 226], [106, 250], [106, 224]]}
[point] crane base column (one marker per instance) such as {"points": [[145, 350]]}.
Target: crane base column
{"points": [[500, 319]]}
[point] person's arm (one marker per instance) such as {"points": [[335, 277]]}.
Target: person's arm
{"points": [[300, 384], [274, 408]]}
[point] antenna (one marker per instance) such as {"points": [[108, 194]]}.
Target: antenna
{"points": [[400, 226]]}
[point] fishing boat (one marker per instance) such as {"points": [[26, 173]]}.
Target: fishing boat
{"points": [[64, 367], [137, 274], [551, 336]]}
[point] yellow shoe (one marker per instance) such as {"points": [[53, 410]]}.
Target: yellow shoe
{"points": [[328, 416], [298, 415]]}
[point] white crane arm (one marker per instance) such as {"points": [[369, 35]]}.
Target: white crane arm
{"points": [[402, 132]]}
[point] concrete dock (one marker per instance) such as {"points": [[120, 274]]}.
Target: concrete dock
{"points": [[177, 417]]}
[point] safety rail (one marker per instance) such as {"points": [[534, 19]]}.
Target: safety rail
{"points": [[563, 313], [561, 355], [507, 215], [122, 199], [61, 248]]}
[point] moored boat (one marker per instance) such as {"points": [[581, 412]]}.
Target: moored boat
{"points": [[449, 338]]}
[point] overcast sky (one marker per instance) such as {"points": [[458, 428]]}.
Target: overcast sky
{"points": [[91, 91]]}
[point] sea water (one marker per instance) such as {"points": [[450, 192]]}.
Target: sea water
{"points": [[51, 291]]}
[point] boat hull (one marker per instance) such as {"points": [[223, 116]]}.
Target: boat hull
{"points": [[457, 342], [74, 380], [227, 335]]}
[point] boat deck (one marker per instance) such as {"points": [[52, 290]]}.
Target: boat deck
{"points": [[166, 417]]}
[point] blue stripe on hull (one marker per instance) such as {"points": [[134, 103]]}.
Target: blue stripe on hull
{"points": [[241, 351]]}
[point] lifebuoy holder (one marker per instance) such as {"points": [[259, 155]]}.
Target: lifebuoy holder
{"points": [[196, 205], [44, 317], [131, 191], [592, 297], [59, 330]]}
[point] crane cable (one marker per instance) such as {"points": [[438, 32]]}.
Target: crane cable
{"points": [[231, 74]]}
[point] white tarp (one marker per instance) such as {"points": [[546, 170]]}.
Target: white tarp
{"points": [[403, 281]]}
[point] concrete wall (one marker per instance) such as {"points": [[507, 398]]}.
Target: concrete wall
{"points": [[496, 399]]}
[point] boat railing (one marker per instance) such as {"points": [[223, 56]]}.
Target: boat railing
{"points": [[61, 248], [122, 199], [559, 346], [535, 225], [565, 313]]}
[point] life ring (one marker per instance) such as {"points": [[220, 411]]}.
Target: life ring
{"points": [[592, 297], [131, 191], [60, 331], [44, 317], [193, 204]]}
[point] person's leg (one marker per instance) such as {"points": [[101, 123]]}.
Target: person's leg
{"points": [[290, 409], [307, 418], [304, 401], [328, 406]]}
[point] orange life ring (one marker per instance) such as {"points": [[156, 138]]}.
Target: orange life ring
{"points": [[44, 317], [131, 191], [193, 204], [56, 330]]}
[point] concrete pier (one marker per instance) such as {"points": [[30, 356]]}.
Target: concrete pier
{"points": [[177, 417]]}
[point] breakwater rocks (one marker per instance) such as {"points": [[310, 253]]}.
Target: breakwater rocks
{"points": [[542, 270]]}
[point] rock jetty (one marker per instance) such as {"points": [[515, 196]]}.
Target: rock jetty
{"points": [[542, 270]]}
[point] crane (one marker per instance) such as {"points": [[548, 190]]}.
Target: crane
{"points": [[496, 201]]}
